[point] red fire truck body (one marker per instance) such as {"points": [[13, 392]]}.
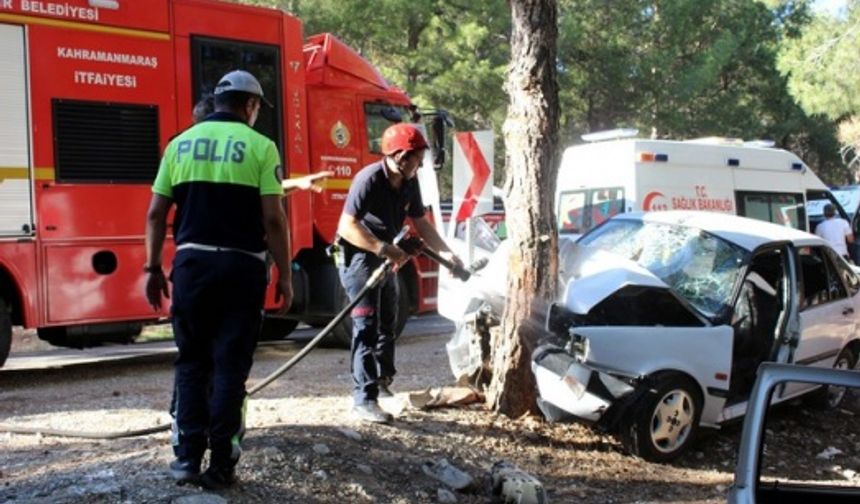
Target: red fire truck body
{"points": [[92, 91]]}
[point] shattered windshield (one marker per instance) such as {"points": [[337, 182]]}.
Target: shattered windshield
{"points": [[698, 266]]}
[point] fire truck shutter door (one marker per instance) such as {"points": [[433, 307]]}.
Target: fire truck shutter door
{"points": [[15, 170]]}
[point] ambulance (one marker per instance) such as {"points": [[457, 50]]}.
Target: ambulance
{"points": [[603, 178]]}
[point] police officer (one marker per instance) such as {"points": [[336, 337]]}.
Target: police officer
{"points": [[313, 182], [380, 198], [225, 180]]}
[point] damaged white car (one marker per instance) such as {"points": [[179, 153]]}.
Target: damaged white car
{"points": [[665, 318]]}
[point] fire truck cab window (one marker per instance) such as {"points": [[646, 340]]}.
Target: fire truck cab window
{"points": [[212, 58], [378, 117]]}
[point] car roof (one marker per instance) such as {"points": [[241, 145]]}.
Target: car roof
{"points": [[747, 233]]}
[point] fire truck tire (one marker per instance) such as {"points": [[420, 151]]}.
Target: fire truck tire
{"points": [[5, 331], [276, 329]]}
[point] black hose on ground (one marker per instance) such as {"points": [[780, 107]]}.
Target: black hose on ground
{"points": [[377, 275]]}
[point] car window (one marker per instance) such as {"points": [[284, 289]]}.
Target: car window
{"points": [[819, 281], [810, 452], [698, 266], [843, 271]]}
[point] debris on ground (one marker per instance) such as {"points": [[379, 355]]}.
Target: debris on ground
{"points": [[441, 397], [448, 474], [516, 486]]}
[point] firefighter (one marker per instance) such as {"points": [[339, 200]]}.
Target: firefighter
{"points": [[380, 198], [224, 178]]}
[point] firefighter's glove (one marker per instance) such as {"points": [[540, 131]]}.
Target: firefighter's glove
{"points": [[394, 254], [412, 245], [450, 257]]}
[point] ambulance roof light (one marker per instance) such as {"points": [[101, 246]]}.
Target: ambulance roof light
{"points": [[613, 134], [767, 144], [716, 141], [105, 4]]}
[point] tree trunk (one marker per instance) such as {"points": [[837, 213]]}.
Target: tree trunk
{"points": [[531, 145]]}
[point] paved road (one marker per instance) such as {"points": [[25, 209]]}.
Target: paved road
{"points": [[67, 357]]}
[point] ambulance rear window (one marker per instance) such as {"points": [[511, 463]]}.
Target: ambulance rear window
{"points": [[584, 209]]}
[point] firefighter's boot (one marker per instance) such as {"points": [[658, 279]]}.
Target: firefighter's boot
{"points": [[185, 471], [218, 478], [371, 412]]}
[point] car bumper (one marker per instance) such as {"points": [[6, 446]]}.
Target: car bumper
{"points": [[568, 387]]}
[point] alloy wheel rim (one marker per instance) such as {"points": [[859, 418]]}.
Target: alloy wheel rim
{"points": [[672, 421]]}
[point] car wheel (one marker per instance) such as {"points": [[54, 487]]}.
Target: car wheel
{"points": [[5, 332], [665, 421], [830, 396]]}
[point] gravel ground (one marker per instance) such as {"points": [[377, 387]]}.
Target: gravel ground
{"points": [[303, 446]]}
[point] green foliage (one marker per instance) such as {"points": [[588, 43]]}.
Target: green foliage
{"points": [[823, 64], [673, 68], [443, 54]]}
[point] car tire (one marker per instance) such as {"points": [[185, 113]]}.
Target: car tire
{"points": [[5, 331], [277, 329], [665, 420], [829, 397]]}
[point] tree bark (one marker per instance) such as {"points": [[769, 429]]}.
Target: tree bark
{"points": [[531, 145]]}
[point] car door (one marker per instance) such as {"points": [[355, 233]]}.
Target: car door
{"points": [[827, 313]]}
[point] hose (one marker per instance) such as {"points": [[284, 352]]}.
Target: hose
{"points": [[374, 279]]}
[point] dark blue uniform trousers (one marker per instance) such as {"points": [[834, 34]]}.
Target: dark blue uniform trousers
{"points": [[372, 326], [217, 312]]}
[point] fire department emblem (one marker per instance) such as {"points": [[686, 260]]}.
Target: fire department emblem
{"points": [[340, 135]]}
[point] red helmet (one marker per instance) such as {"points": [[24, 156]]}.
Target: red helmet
{"points": [[402, 137]]}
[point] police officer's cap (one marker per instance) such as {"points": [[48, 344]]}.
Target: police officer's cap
{"points": [[240, 80]]}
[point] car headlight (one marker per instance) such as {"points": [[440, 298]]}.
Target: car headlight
{"points": [[559, 320], [577, 345]]}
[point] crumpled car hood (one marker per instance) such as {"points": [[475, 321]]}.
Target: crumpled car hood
{"points": [[590, 275]]}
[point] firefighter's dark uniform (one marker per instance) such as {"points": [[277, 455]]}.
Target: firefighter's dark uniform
{"points": [[382, 209], [216, 172]]}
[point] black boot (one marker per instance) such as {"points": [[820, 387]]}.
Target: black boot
{"points": [[185, 471], [218, 478]]}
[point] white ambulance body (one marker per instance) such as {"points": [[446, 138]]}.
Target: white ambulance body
{"points": [[598, 180]]}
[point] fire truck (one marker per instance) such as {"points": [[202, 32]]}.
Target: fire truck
{"points": [[92, 91]]}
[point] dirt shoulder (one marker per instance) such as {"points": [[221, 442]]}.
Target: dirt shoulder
{"points": [[303, 446]]}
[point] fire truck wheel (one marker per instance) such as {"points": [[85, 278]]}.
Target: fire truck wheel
{"points": [[276, 329], [5, 331]]}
